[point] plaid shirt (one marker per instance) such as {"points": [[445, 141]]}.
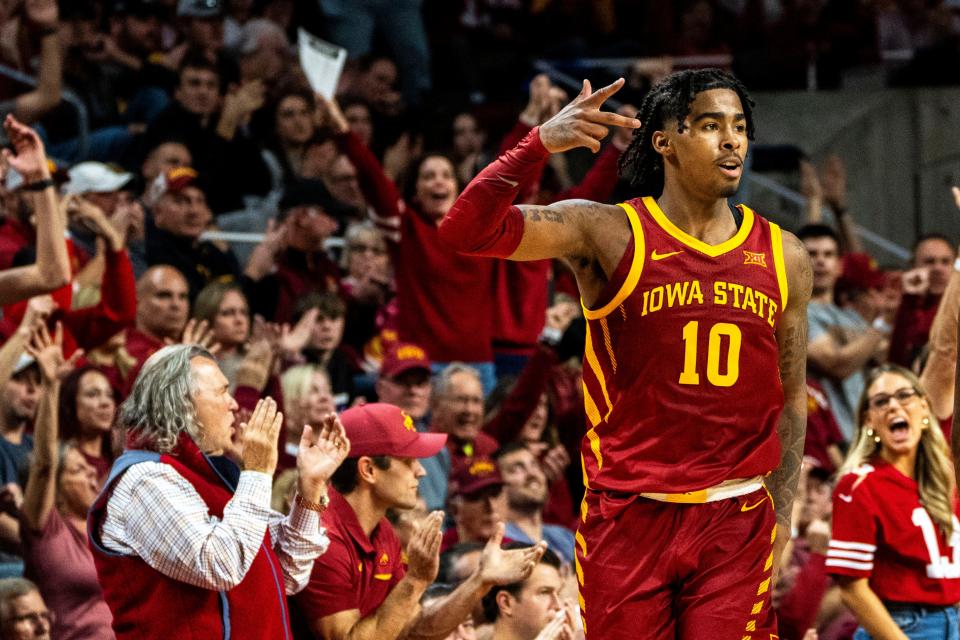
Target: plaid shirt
{"points": [[154, 513]]}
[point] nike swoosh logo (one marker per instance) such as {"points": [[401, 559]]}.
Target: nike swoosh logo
{"points": [[845, 498], [661, 256], [512, 183], [753, 506]]}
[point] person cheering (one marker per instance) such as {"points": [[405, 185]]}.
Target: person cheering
{"points": [[895, 533], [180, 539]]}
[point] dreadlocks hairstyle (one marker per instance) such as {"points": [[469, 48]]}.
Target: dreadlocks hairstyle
{"points": [[669, 99]]}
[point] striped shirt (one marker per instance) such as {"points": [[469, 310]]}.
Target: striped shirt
{"points": [[154, 513]]}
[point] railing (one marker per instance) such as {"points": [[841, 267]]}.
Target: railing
{"points": [[68, 96]]}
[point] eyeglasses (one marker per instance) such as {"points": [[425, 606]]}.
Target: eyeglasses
{"points": [[882, 401]]}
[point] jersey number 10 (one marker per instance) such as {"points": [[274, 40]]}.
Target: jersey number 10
{"points": [[940, 567], [689, 374]]}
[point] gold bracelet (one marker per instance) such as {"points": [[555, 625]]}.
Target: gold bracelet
{"points": [[319, 507]]}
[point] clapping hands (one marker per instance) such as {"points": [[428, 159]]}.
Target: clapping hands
{"points": [[322, 449]]}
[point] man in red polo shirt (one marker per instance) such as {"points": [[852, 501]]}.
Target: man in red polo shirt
{"points": [[360, 588]]}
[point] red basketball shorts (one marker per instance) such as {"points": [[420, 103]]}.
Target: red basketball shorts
{"points": [[664, 571]]}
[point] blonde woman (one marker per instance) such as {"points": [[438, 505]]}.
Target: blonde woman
{"points": [[307, 398], [896, 538]]}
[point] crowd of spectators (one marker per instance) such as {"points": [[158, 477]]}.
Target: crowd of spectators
{"points": [[200, 119]]}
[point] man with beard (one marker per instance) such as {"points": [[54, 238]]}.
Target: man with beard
{"points": [[526, 489], [18, 406], [19, 396]]}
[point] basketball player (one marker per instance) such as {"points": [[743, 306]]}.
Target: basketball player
{"points": [[694, 364]]}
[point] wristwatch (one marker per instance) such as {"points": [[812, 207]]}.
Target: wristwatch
{"points": [[38, 185], [319, 507]]}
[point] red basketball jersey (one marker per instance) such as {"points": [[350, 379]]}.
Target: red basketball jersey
{"points": [[681, 369], [882, 532]]}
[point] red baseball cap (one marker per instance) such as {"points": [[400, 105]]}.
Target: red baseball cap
{"points": [[860, 271], [381, 429], [474, 474], [404, 356], [173, 181]]}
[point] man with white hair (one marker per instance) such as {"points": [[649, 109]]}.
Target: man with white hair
{"points": [[263, 51], [182, 539]]}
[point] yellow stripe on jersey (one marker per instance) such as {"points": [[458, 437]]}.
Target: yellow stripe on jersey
{"points": [[776, 239], [586, 480], [590, 407], [591, 357], [595, 447], [608, 344], [636, 268], [712, 250], [582, 542]]}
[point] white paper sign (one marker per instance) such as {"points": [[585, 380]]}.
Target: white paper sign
{"points": [[322, 62]]}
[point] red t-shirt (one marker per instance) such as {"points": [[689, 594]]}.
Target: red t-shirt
{"points": [[681, 368], [356, 572], [882, 532], [57, 559]]}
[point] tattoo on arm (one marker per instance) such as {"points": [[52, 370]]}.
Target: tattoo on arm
{"points": [[537, 214], [792, 427]]}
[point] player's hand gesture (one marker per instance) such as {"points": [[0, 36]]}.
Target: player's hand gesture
{"points": [[499, 566], [581, 123]]}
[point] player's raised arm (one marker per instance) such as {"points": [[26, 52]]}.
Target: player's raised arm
{"points": [[483, 221]]}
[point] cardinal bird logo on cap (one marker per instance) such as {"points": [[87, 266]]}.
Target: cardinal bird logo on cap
{"points": [[408, 422]]}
